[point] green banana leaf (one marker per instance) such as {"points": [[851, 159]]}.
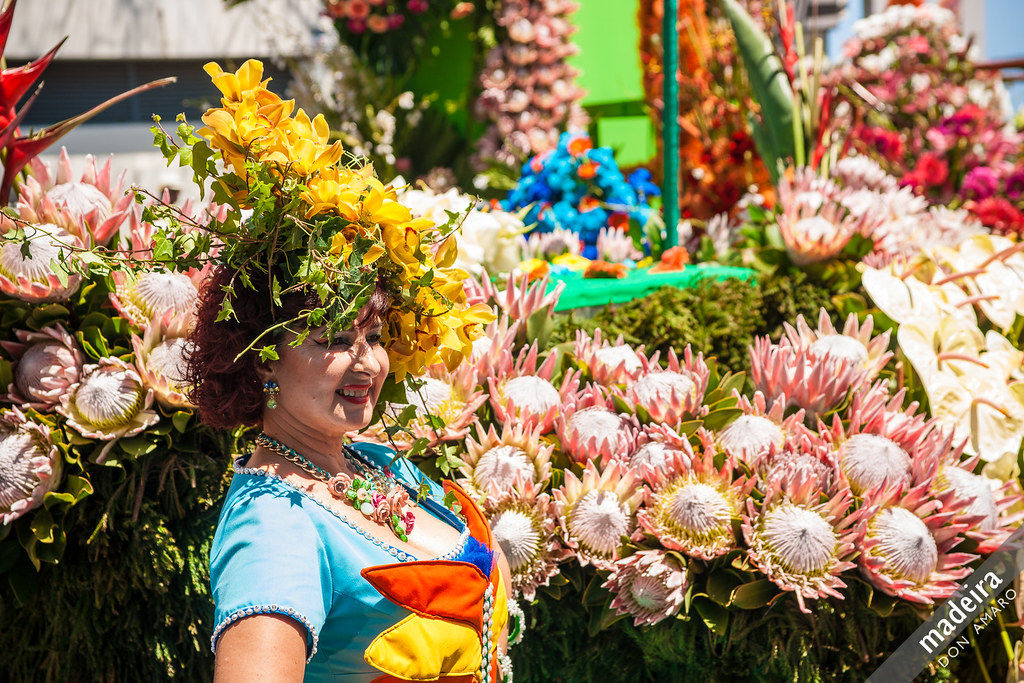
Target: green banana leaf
{"points": [[773, 134]]}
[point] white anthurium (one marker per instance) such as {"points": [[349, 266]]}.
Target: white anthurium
{"points": [[901, 298], [1003, 356], [941, 344], [999, 291], [1003, 469], [980, 406]]}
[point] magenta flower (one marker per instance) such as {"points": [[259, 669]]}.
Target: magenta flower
{"points": [[980, 183]]}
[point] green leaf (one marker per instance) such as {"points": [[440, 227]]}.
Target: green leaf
{"points": [[715, 616], [180, 420], [42, 526], [769, 86], [754, 595], [721, 585], [137, 445]]}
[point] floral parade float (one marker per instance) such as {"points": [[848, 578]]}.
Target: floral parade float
{"points": [[661, 510]]}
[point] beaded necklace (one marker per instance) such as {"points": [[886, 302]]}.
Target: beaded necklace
{"points": [[377, 494]]}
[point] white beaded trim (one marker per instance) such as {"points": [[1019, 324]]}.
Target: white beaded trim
{"points": [[265, 609], [515, 613], [398, 554]]}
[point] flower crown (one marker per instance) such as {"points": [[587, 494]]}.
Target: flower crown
{"points": [[319, 224]]}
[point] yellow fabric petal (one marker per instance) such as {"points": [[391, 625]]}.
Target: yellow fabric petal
{"points": [[424, 649]]}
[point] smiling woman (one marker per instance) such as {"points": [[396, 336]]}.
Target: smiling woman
{"points": [[332, 560], [312, 528]]}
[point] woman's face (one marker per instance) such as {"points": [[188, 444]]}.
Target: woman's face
{"points": [[328, 386]]}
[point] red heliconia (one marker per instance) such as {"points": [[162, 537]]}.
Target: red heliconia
{"points": [[14, 84]]}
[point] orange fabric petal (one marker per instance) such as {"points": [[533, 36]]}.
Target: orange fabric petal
{"points": [[475, 519], [436, 588]]}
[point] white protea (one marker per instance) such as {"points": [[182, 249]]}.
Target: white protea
{"points": [[597, 511], [616, 246], [670, 395], [858, 172], [590, 428], [759, 428], [494, 460], [525, 526], [608, 363], [162, 362], [109, 402], [45, 365], [656, 445], [548, 245], [906, 544], [692, 505], [814, 383], [46, 271], [30, 465], [649, 585], [801, 539], [805, 457]]}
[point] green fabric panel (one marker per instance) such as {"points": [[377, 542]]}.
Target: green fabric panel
{"points": [[581, 292], [632, 138], [609, 57]]}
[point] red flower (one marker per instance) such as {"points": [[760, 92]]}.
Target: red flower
{"points": [[619, 219], [934, 170], [886, 142], [999, 214], [674, 258], [589, 203]]}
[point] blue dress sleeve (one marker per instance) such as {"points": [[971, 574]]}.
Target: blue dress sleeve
{"points": [[268, 558]]}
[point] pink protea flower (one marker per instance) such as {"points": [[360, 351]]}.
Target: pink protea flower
{"points": [[657, 444], [152, 294], [669, 395], [882, 445], [33, 277], [30, 465], [799, 376], [906, 544], [690, 506], [92, 208], [161, 360], [524, 523], [800, 539], [520, 299], [45, 365], [523, 391], [754, 433], [649, 585], [806, 455], [109, 402], [597, 511], [451, 396], [498, 339], [993, 508], [854, 344], [591, 428], [497, 460], [608, 364]]}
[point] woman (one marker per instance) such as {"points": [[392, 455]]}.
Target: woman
{"points": [[307, 582]]}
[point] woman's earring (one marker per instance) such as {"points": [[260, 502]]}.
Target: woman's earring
{"points": [[271, 390]]}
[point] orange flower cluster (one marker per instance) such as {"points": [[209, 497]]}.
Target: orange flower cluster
{"points": [[718, 160]]}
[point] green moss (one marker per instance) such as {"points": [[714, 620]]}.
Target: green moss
{"points": [[718, 318]]}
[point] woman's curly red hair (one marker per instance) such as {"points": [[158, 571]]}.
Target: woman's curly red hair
{"points": [[228, 393]]}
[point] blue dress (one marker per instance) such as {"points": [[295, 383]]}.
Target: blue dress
{"points": [[278, 550]]}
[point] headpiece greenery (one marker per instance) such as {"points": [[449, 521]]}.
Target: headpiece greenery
{"points": [[309, 221]]}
